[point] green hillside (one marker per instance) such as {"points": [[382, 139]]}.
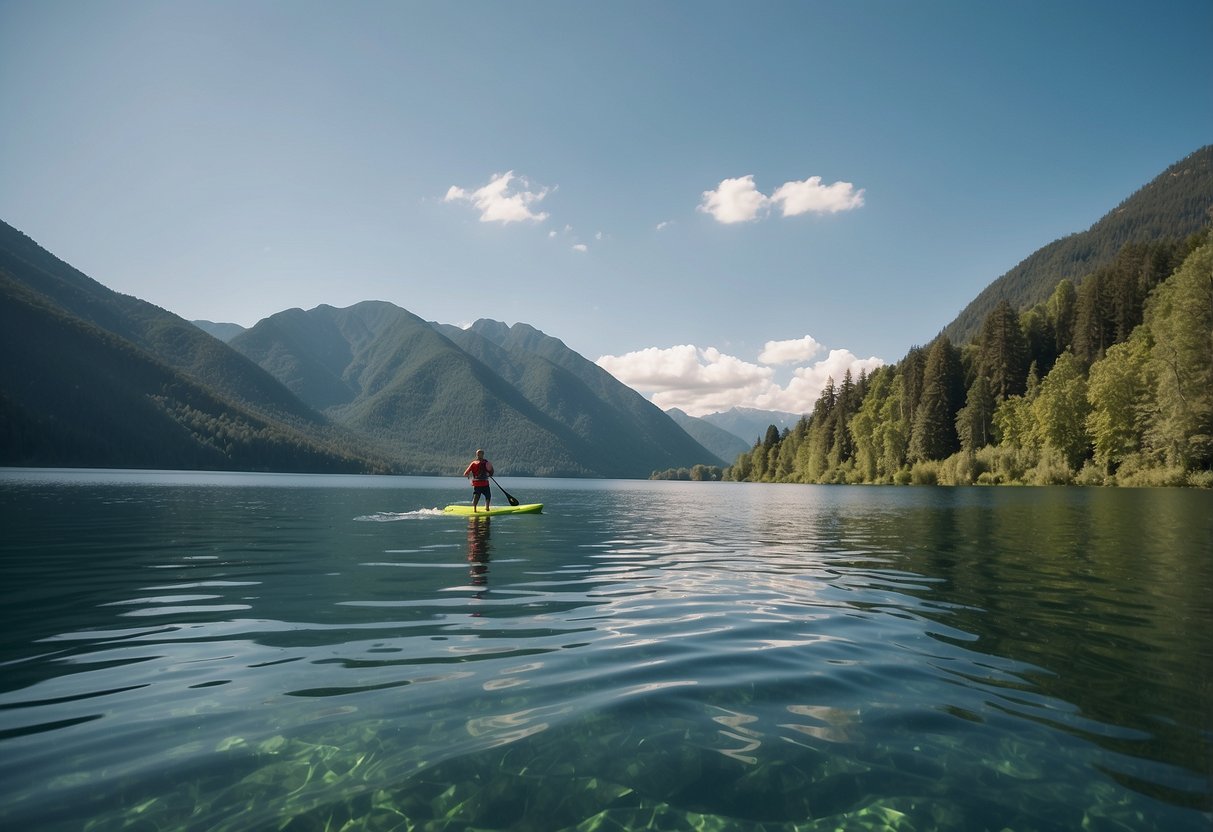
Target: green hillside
{"points": [[169, 338], [1176, 204], [429, 395], [73, 394], [630, 430], [94, 378]]}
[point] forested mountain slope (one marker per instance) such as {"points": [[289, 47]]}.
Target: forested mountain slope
{"points": [[1111, 384], [92, 378], [431, 394], [1176, 204], [169, 338], [586, 398]]}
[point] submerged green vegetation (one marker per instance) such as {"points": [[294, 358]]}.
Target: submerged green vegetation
{"points": [[1108, 382]]}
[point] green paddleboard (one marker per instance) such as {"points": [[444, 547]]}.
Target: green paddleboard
{"points": [[465, 510]]}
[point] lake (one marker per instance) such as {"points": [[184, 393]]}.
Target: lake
{"points": [[244, 652]]}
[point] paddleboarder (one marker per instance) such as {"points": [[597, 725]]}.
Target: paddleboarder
{"points": [[479, 470]]}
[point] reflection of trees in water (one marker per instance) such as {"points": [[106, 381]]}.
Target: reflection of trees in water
{"points": [[478, 551], [1086, 589]]}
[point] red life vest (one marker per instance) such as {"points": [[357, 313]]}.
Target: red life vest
{"points": [[480, 472]]}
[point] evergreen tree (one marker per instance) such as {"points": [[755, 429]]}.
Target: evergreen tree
{"points": [[771, 439], [1094, 327], [912, 368], [934, 432], [1002, 354], [842, 446], [1039, 339]]}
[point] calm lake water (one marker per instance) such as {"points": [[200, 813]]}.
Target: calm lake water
{"points": [[246, 652]]}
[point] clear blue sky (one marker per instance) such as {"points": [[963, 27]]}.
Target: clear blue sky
{"points": [[731, 199]]}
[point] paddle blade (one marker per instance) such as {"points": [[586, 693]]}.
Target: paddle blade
{"points": [[510, 498]]}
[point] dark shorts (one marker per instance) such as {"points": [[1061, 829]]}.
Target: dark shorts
{"points": [[481, 491]]}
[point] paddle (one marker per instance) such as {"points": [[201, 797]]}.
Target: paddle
{"points": [[508, 496]]}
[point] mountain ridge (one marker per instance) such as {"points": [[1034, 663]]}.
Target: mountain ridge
{"points": [[1176, 203], [441, 391]]}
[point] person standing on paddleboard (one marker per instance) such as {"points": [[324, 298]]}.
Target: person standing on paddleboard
{"points": [[480, 469]]}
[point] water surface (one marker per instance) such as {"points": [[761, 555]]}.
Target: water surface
{"points": [[234, 652]]}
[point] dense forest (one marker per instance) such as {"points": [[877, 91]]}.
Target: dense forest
{"points": [[1107, 382]]}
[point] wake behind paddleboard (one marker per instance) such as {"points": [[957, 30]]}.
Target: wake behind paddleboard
{"points": [[465, 510]]}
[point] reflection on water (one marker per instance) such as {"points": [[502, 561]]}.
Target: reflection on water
{"points": [[478, 551], [282, 654]]}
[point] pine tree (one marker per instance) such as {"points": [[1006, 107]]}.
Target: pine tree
{"points": [[1002, 354], [934, 431], [1094, 328]]}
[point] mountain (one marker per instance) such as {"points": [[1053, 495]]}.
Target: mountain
{"points": [[750, 424], [719, 441], [1177, 203], [430, 394], [91, 377], [584, 397], [223, 331]]}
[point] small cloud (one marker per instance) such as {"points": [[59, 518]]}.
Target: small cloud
{"points": [[581, 247], [811, 197], [739, 200], [734, 200], [789, 352], [497, 202], [663, 225]]}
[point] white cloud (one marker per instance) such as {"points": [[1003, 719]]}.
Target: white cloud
{"points": [[581, 247], [807, 382], [811, 197], [739, 200], [705, 380], [498, 203], [789, 352], [663, 225], [734, 200]]}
